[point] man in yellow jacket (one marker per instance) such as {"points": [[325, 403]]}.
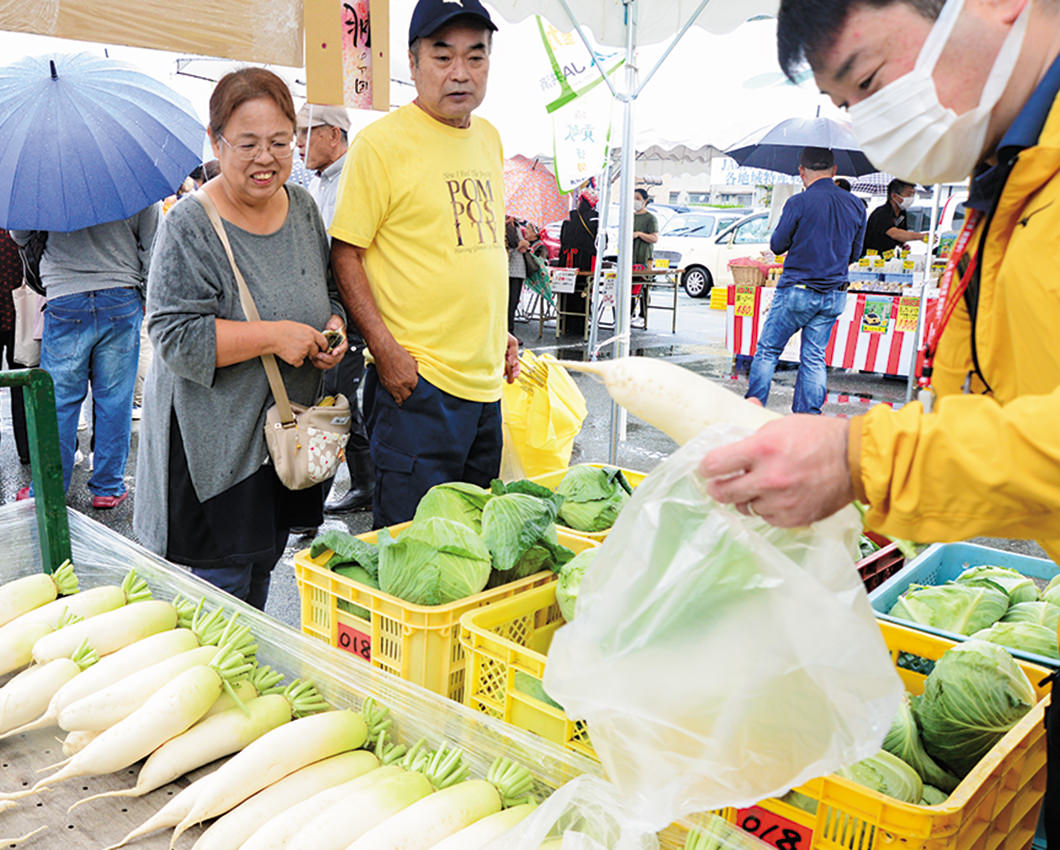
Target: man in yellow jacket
{"points": [[936, 90]]}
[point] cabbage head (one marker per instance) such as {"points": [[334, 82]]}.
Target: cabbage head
{"points": [[1052, 591], [570, 579], [933, 796], [975, 694], [887, 774], [346, 550], [456, 500], [433, 562], [593, 497], [953, 607], [361, 576], [1040, 613], [1019, 587], [903, 740], [1026, 637], [513, 522]]}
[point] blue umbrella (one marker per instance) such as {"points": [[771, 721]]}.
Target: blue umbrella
{"points": [[777, 148], [88, 140]]}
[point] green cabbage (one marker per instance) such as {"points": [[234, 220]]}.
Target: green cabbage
{"points": [[1040, 613], [887, 774], [433, 562], [1026, 637], [1052, 591], [361, 576], [593, 497], [903, 741], [456, 501], [960, 608], [1018, 586], [933, 796], [513, 522], [975, 694], [570, 579], [346, 550]]}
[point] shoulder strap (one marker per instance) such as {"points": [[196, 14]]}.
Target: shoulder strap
{"points": [[272, 371]]}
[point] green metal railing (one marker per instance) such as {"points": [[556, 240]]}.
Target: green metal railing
{"points": [[45, 463]]}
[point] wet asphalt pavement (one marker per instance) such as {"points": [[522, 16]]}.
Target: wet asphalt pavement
{"points": [[698, 344]]}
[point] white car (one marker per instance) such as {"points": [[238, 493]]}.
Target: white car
{"points": [[706, 260]]}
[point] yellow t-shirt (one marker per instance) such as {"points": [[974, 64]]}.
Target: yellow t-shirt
{"points": [[426, 202]]}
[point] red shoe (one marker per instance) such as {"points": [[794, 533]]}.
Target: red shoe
{"points": [[107, 502], [22, 494]]}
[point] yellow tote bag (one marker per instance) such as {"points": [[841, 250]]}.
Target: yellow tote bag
{"points": [[543, 412]]}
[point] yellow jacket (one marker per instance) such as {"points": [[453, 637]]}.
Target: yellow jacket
{"points": [[984, 464]]}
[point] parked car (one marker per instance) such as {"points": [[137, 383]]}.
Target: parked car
{"points": [[706, 260]]}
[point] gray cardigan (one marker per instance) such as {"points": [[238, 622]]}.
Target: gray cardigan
{"points": [[221, 411]]}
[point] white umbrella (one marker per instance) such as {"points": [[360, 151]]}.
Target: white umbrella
{"points": [[627, 23]]}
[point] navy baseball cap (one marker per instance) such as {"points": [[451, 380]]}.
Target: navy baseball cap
{"points": [[429, 16]]}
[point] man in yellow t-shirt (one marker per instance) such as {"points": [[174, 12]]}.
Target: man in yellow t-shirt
{"points": [[418, 251]]}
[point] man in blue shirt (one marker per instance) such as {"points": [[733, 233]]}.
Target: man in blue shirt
{"points": [[822, 230]]}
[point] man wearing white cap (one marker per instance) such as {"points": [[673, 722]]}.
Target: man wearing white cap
{"points": [[322, 144]]}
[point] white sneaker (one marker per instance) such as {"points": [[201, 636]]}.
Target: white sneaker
{"points": [[91, 461], [137, 413], [78, 457]]}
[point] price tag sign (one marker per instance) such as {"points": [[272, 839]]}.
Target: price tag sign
{"points": [[745, 301], [908, 265], [564, 280], [888, 255], [872, 252], [876, 316], [660, 264], [908, 315], [355, 642], [608, 285], [864, 263], [879, 263], [773, 829]]}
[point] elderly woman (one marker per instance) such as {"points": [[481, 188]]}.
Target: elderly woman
{"points": [[207, 495]]}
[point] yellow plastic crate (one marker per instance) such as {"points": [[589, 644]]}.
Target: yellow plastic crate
{"points": [[552, 480], [994, 808], [419, 643]]}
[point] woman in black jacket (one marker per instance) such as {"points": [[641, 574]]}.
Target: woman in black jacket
{"points": [[577, 250]]}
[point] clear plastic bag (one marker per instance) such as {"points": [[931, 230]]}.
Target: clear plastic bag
{"points": [[586, 814], [720, 661]]}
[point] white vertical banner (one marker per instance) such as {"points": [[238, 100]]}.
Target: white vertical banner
{"points": [[579, 103]]}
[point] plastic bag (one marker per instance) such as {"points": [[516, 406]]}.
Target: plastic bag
{"points": [[542, 414], [586, 814], [720, 661]]}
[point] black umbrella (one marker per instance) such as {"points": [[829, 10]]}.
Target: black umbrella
{"points": [[777, 148]]}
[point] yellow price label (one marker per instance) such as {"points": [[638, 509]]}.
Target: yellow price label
{"points": [[872, 252], [908, 265], [879, 263], [888, 255], [864, 262], [661, 264]]}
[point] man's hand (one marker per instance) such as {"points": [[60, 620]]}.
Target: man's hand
{"points": [[791, 472], [294, 342], [523, 246], [511, 360], [398, 372], [325, 360]]}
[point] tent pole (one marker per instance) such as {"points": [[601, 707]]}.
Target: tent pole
{"points": [[670, 47], [623, 293], [910, 388], [589, 48], [601, 245]]}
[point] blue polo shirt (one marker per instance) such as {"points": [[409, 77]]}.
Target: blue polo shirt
{"points": [[822, 231], [1023, 133]]}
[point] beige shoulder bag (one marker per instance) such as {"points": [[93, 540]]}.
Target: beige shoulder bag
{"points": [[306, 444]]}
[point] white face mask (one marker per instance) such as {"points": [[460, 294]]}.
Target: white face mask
{"points": [[905, 130], [906, 203]]}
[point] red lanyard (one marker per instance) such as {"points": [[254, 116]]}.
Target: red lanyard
{"points": [[946, 304]]}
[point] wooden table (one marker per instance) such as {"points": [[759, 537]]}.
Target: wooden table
{"points": [[652, 279]]}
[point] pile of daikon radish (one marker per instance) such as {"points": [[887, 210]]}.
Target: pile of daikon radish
{"points": [[128, 677]]}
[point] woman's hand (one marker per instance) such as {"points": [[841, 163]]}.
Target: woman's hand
{"points": [[295, 342], [512, 366], [326, 359]]}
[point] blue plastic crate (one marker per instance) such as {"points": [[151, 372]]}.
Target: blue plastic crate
{"points": [[943, 562]]}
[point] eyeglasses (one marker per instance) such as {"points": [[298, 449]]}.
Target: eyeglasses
{"points": [[250, 150]]}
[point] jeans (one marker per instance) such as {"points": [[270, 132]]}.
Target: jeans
{"points": [[434, 437], [94, 337], [813, 313]]}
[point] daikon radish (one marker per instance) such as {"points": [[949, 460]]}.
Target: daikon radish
{"points": [[109, 706], [219, 735], [28, 694], [673, 399], [128, 660], [274, 755], [263, 680], [16, 651], [74, 742], [169, 815], [172, 710], [445, 812], [235, 827], [482, 832], [109, 631], [24, 594], [348, 811], [11, 842], [87, 603]]}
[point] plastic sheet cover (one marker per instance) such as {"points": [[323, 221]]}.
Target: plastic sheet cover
{"points": [[720, 661], [101, 556], [266, 32]]}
